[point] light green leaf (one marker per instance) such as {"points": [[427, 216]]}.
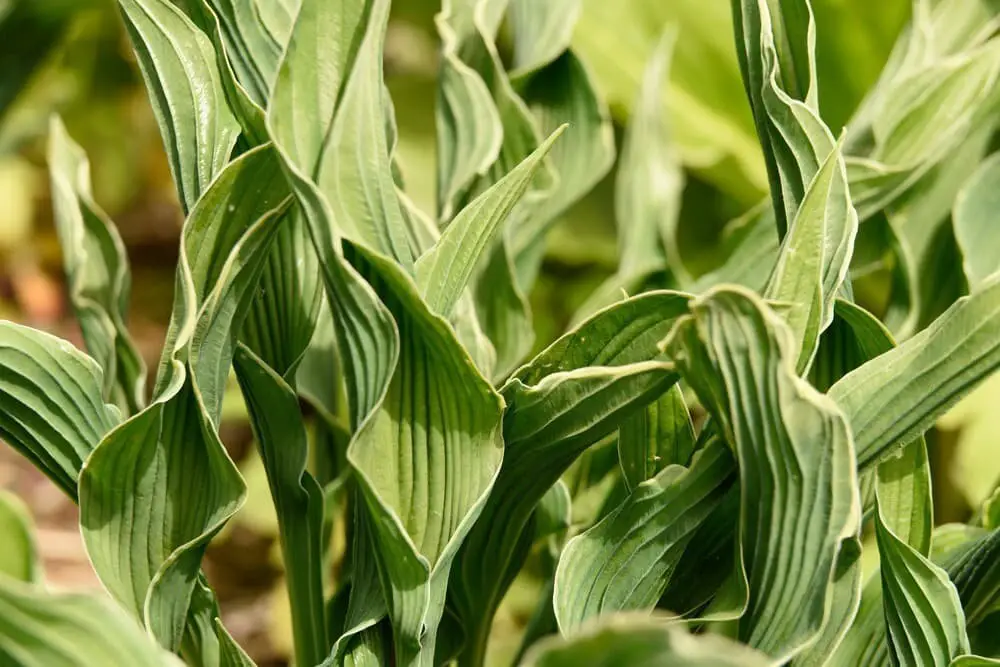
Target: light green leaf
{"points": [[570, 396], [56, 436], [650, 178], [354, 170], [283, 316], [181, 72], [865, 645], [444, 271], [973, 215], [97, 272], [776, 45], [39, 629], [159, 486], [923, 614], [883, 402], [541, 30], [975, 571], [281, 438], [469, 129], [254, 49], [564, 93], [626, 561], [659, 436], [815, 256], [19, 559], [639, 642], [739, 358], [754, 251]]}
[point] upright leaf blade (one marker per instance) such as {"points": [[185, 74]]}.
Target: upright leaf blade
{"points": [[738, 356], [96, 270], [181, 72]]}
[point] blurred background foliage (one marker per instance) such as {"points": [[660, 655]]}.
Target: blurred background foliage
{"points": [[71, 57]]}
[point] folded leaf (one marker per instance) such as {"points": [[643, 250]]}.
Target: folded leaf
{"points": [[298, 498], [570, 396], [159, 486], [56, 436], [444, 271], [738, 356], [38, 629], [97, 272], [626, 561], [882, 400], [181, 72], [659, 436]]}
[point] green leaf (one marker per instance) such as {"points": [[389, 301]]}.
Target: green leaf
{"points": [[626, 561], [660, 436], [159, 486], [181, 72], [444, 271], [283, 317], [561, 93], [354, 169], [254, 46], [19, 559], [976, 201], [883, 402], [640, 642], [441, 412], [469, 129], [650, 178], [577, 391], [298, 499], [541, 31], [815, 256], [55, 435], [97, 272], [775, 44], [975, 573], [39, 629], [739, 358], [923, 614]]}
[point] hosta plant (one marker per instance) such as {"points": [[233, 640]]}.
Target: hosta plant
{"points": [[765, 420]]}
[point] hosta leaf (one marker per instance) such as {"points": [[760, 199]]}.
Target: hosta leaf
{"points": [[39, 629], [160, 485], [254, 47], [96, 271], [738, 356], [659, 436], [444, 271], [626, 561], [976, 575], [650, 177], [503, 312], [441, 412], [972, 215], [354, 171], [55, 435], [469, 130], [181, 72], [298, 499], [561, 93], [19, 559], [424, 398], [923, 614], [815, 256], [283, 317], [541, 31], [775, 44], [882, 400], [570, 396], [643, 643]]}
